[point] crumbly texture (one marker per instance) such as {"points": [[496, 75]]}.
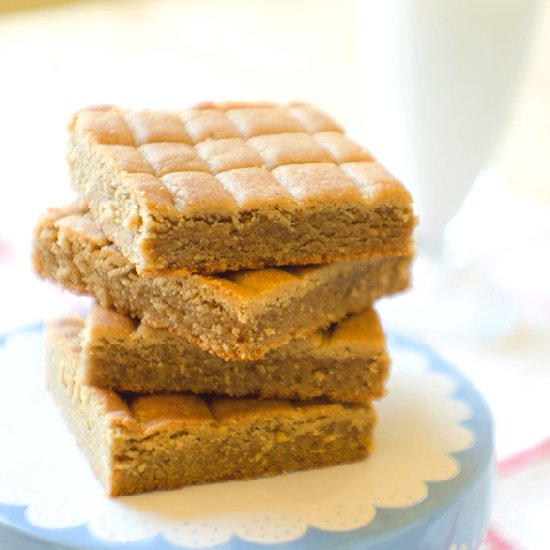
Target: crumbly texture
{"points": [[138, 443], [236, 315], [235, 186], [347, 362]]}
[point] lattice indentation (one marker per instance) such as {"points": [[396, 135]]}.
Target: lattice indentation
{"points": [[156, 127], [203, 124], [165, 158], [342, 148], [314, 120], [127, 158], [298, 147], [262, 281], [296, 155], [368, 177], [259, 121], [159, 409], [228, 154], [154, 411], [255, 188], [193, 190], [315, 183]]}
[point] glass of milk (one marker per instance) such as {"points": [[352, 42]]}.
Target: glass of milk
{"points": [[439, 79]]}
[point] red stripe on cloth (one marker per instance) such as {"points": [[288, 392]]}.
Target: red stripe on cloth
{"points": [[524, 458], [5, 251], [496, 541]]}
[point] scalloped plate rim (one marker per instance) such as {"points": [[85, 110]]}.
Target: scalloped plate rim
{"points": [[480, 417]]}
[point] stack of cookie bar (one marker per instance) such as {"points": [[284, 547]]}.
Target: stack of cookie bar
{"points": [[233, 251]]}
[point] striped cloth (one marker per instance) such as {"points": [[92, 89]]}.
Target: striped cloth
{"points": [[522, 510]]}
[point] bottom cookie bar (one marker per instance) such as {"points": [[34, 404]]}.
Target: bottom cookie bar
{"points": [[138, 443]]}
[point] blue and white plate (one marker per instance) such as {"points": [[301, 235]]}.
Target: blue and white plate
{"points": [[428, 484]]}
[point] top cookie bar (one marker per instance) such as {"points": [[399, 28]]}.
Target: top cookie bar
{"points": [[235, 186]]}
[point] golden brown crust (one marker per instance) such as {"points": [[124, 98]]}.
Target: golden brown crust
{"points": [[274, 185]]}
